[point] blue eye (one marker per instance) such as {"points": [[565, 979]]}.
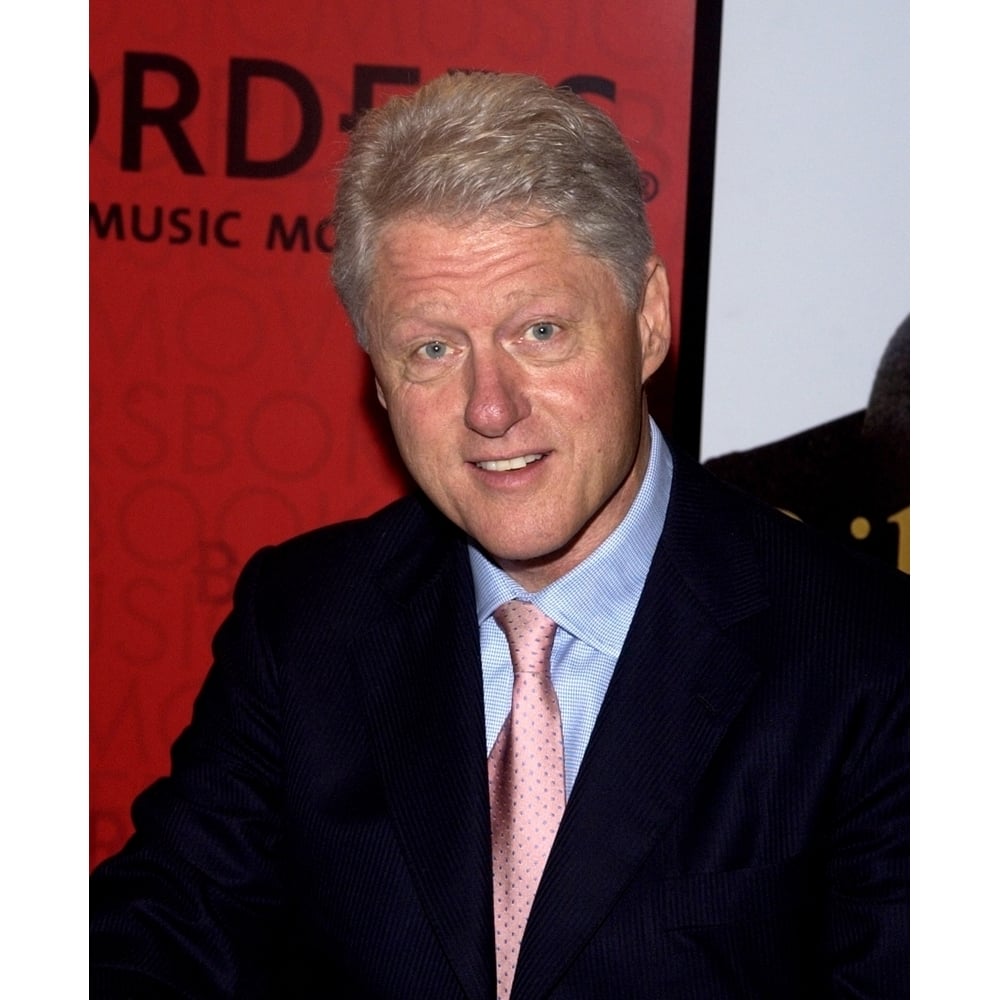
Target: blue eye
{"points": [[434, 350], [542, 331]]}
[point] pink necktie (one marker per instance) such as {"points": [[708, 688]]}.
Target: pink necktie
{"points": [[527, 781]]}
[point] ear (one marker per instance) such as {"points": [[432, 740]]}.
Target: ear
{"points": [[380, 394], [654, 317]]}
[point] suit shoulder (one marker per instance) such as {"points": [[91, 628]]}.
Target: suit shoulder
{"points": [[742, 556], [365, 541], [352, 566], [794, 551], [802, 559], [833, 603]]}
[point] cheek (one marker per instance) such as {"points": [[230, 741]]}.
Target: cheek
{"points": [[603, 401], [418, 425]]}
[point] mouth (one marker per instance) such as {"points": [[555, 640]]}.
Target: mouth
{"points": [[509, 464]]}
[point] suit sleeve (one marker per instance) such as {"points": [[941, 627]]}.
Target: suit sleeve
{"points": [[866, 909], [192, 905]]}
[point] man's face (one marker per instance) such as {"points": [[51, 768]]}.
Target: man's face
{"points": [[512, 373]]}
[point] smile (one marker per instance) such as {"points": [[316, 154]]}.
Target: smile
{"points": [[508, 464]]}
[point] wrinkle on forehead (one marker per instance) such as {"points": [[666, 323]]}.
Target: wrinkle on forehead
{"points": [[490, 251]]}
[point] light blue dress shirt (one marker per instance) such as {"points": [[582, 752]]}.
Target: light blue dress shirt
{"points": [[592, 605]]}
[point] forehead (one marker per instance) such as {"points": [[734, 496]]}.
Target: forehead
{"points": [[489, 256], [497, 230]]}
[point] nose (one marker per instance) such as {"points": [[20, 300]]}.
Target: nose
{"points": [[496, 393]]}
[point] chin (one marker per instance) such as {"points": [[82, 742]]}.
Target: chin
{"points": [[526, 552], [513, 553]]}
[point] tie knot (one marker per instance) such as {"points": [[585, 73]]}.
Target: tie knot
{"points": [[530, 633]]}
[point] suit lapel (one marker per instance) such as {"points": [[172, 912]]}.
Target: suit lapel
{"points": [[679, 683], [420, 669]]}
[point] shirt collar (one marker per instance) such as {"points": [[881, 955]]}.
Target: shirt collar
{"points": [[596, 600]]}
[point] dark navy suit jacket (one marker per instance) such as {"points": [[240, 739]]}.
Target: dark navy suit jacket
{"points": [[738, 827]]}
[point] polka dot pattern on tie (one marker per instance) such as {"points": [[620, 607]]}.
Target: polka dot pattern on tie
{"points": [[527, 781]]}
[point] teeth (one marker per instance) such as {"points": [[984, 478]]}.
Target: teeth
{"points": [[507, 464]]}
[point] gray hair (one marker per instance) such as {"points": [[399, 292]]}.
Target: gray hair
{"points": [[469, 145]]}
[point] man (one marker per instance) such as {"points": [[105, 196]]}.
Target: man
{"points": [[715, 707]]}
